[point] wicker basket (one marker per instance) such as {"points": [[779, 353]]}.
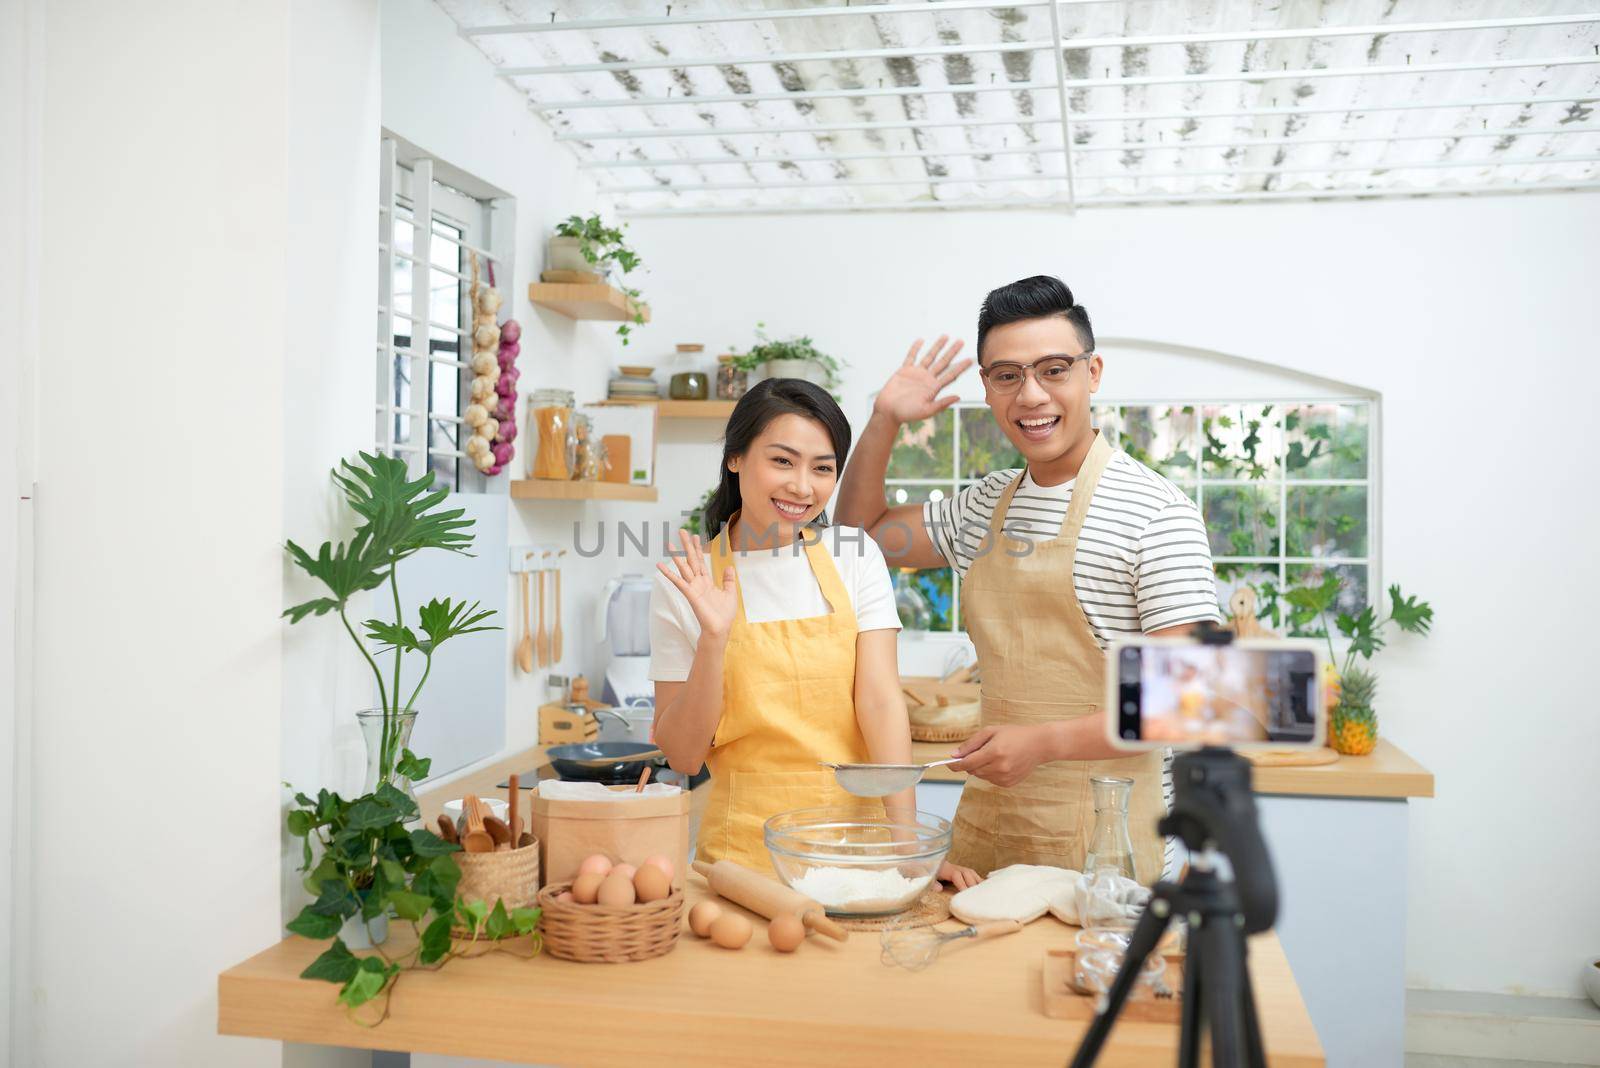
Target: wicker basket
{"points": [[511, 877], [945, 723], [594, 934]]}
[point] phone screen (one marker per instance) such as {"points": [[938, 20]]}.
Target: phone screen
{"points": [[1184, 694]]}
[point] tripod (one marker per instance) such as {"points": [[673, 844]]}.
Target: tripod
{"points": [[1214, 813]]}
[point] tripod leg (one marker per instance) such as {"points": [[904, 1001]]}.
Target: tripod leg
{"points": [[1255, 1055], [1189, 1028], [1222, 968], [1146, 933]]}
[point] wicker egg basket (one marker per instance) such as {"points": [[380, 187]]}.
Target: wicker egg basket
{"points": [[511, 877], [609, 934]]}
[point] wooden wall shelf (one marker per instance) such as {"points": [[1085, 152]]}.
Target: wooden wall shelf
{"points": [[677, 409], [590, 301], [544, 489]]}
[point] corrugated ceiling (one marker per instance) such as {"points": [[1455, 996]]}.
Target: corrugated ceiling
{"points": [[735, 105]]}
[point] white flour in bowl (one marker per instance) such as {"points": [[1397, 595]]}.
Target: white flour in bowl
{"points": [[859, 890]]}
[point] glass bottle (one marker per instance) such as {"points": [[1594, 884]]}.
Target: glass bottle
{"points": [[1110, 847]]}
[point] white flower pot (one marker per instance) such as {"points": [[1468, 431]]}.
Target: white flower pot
{"points": [[566, 254], [809, 370], [364, 934]]}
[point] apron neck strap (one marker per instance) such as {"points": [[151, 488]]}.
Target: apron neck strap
{"points": [[1083, 486], [822, 567]]}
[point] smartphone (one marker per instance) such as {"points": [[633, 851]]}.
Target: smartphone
{"points": [[1181, 694]]}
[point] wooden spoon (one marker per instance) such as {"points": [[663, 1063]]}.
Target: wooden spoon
{"points": [[525, 646], [447, 830], [541, 640], [555, 634], [500, 831], [513, 795], [644, 777], [476, 840]]}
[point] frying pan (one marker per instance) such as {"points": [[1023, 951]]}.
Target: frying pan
{"points": [[625, 760]]}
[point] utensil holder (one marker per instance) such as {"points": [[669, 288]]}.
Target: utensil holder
{"points": [[511, 877]]}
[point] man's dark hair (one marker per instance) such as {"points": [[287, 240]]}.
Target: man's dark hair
{"points": [[1039, 297]]}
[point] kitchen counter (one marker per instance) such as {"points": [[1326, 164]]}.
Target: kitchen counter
{"points": [[1388, 773], [828, 1003]]}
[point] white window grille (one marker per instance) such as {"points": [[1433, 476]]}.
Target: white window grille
{"points": [[1285, 486], [429, 229]]}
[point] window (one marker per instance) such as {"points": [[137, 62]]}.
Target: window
{"points": [[1284, 486], [424, 316]]}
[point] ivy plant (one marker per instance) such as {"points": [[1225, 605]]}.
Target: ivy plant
{"points": [[366, 863]]}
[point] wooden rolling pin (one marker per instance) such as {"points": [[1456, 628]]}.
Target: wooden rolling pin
{"points": [[767, 897]]}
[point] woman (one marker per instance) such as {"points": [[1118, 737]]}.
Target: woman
{"points": [[775, 648]]}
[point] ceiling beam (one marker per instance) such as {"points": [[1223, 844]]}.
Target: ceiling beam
{"points": [[1026, 204], [707, 18], [1301, 74], [1070, 44]]}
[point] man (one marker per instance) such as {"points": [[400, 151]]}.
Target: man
{"points": [[1084, 546]]}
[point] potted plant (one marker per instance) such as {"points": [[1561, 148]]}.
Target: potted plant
{"points": [[591, 245], [1352, 721], [398, 521], [793, 358]]}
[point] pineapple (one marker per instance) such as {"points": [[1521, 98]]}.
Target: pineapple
{"points": [[1353, 727]]}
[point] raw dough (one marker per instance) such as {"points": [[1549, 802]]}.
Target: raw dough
{"points": [[1021, 892]]}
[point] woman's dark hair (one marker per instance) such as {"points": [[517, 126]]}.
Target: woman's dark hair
{"points": [[1039, 297], [765, 401]]}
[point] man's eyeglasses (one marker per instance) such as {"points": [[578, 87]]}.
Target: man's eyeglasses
{"points": [[1051, 372]]}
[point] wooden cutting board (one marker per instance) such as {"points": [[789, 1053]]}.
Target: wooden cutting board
{"points": [[1289, 758]]}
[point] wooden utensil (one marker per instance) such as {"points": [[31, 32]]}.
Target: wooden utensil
{"points": [[447, 830], [525, 839], [541, 640], [525, 646], [477, 839], [555, 634], [500, 831], [606, 762], [513, 796], [644, 777], [768, 898]]}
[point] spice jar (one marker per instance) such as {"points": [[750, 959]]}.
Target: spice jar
{"points": [[688, 383], [550, 414], [732, 380], [589, 458]]}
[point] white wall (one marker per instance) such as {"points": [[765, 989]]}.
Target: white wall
{"points": [[163, 167], [440, 93], [1475, 320]]}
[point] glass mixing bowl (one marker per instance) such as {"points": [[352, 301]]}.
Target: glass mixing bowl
{"points": [[857, 861]]}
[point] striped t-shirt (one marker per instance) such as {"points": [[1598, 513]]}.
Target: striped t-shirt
{"points": [[1143, 563]]}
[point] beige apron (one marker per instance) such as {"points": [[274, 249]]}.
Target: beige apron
{"points": [[1040, 663]]}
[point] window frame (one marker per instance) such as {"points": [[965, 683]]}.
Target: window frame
{"points": [[1281, 563]]}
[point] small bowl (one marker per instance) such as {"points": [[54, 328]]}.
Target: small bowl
{"points": [[637, 371], [817, 851]]}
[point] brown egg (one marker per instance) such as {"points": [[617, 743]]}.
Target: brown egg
{"points": [[627, 871], [586, 890], [651, 883], [730, 930], [786, 933], [617, 890], [664, 864], [599, 864], [565, 897], [702, 916]]}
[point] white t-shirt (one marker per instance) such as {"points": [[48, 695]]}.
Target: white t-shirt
{"points": [[777, 584]]}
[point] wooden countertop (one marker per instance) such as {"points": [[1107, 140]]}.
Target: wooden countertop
{"points": [[1387, 773], [828, 1003]]}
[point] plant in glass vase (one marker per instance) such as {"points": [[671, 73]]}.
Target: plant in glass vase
{"points": [[398, 520]]}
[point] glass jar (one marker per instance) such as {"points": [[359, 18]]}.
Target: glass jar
{"points": [[689, 385], [1110, 847], [731, 381], [589, 457], [550, 417]]}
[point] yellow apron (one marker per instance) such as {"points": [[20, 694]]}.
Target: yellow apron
{"points": [[788, 701], [1040, 664]]}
